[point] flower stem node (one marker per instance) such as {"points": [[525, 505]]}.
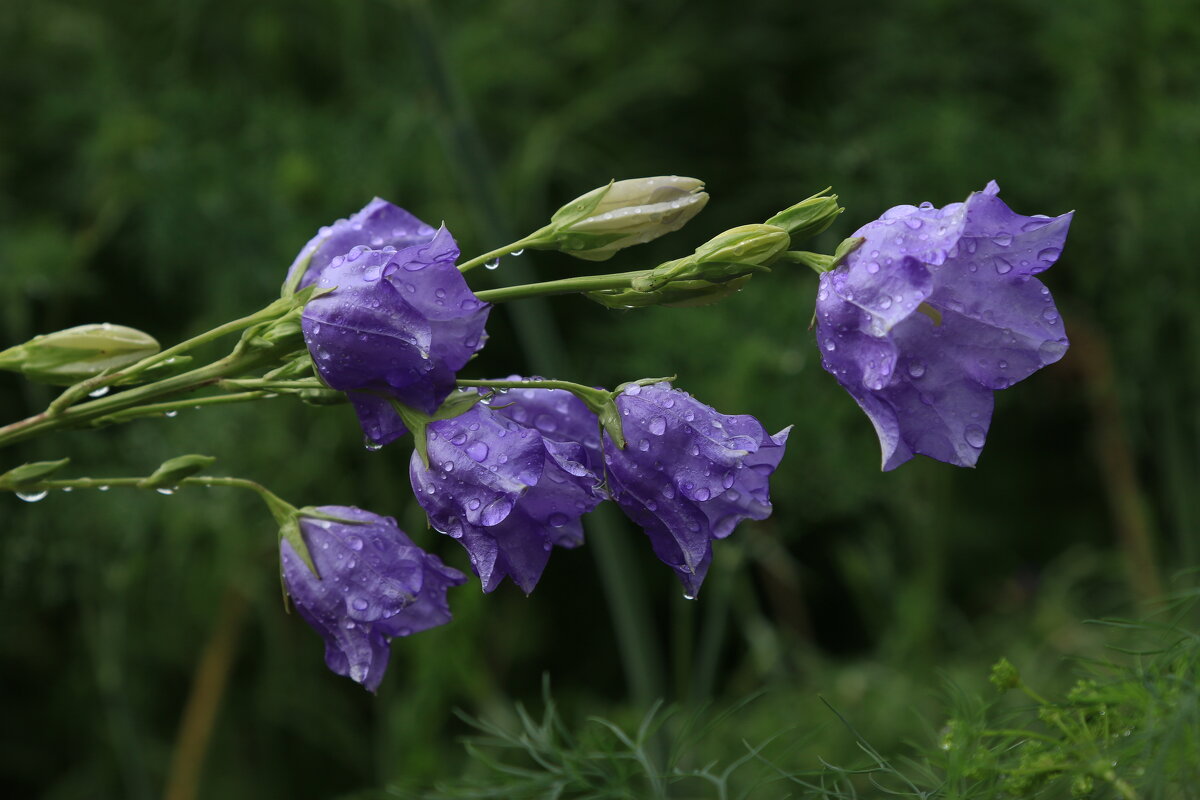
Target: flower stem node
{"points": [[594, 226], [173, 470], [809, 217], [75, 354], [32, 472]]}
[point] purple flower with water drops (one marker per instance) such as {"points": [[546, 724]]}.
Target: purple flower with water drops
{"points": [[379, 224], [689, 474], [374, 584], [507, 493], [557, 414], [397, 326], [934, 311]]}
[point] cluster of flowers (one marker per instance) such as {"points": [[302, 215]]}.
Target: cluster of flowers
{"points": [[932, 311]]}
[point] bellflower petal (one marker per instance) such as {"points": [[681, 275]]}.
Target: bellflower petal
{"points": [[398, 324], [933, 312], [558, 415], [379, 224], [375, 584], [689, 474], [505, 492]]}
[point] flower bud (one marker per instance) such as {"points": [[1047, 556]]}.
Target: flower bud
{"points": [[596, 225], [173, 470], [808, 217], [732, 254], [74, 354], [31, 473]]}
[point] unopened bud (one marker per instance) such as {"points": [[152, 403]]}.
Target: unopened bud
{"points": [[596, 225], [31, 473], [1005, 676], [75, 354], [676, 294], [808, 217], [732, 254]]}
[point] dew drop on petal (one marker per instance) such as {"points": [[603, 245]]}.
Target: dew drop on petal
{"points": [[657, 426], [477, 450], [1003, 265], [557, 520], [975, 436]]}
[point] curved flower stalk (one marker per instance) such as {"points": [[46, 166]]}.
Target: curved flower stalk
{"points": [[396, 326], [507, 493], [933, 312], [374, 584]]}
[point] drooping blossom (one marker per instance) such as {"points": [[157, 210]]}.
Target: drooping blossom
{"points": [[936, 310], [688, 474], [507, 493], [397, 326], [556, 414], [377, 225], [374, 584]]}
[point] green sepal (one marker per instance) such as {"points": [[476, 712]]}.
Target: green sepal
{"points": [[173, 470], [32, 472], [417, 422], [581, 207], [280, 322], [819, 262], [289, 530]]}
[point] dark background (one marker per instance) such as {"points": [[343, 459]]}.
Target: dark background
{"points": [[161, 163]]}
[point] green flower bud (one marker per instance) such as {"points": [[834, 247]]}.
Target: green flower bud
{"points": [[808, 217], [1005, 676], [676, 294], [732, 254], [596, 225], [74, 354], [747, 244]]}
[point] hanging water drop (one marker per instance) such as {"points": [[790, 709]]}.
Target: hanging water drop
{"points": [[32, 497], [371, 445], [493, 264]]}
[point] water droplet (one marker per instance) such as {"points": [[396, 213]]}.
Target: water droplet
{"points": [[103, 390], [687, 596], [32, 497], [493, 264], [644, 445], [1050, 314], [657, 426], [668, 491], [165, 490], [495, 512], [913, 222], [916, 368], [68, 489], [1003, 265], [885, 302], [558, 520], [477, 450], [517, 252], [360, 604], [830, 346], [975, 436], [1003, 239], [102, 488], [354, 542], [448, 466], [701, 494], [371, 445], [170, 413], [633, 390], [872, 267]]}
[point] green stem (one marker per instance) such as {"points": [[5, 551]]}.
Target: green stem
{"points": [[83, 388], [584, 283], [234, 364], [272, 500], [269, 385], [507, 249], [160, 409]]}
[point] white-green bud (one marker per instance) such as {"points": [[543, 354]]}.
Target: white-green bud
{"points": [[75, 354], [596, 225]]}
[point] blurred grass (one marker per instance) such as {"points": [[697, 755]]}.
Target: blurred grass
{"points": [[159, 167]]}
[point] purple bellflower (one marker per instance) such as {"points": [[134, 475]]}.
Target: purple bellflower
{"points": [[935, 310], [688, 474], [379, 224], [375, 584], [507, 493], [397, 326]]}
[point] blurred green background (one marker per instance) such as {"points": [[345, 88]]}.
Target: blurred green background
{"points": [[161, 163]]}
